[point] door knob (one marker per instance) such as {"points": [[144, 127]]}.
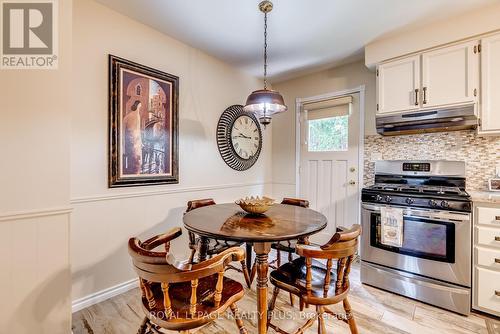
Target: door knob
{"points": [[352, 169], [352, 182]]}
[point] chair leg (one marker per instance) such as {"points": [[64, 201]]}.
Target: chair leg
{"points": [[144, 326], [272, 304], [321, 320], [350, 317], [246, 274], [191, 257], [237, 318]]}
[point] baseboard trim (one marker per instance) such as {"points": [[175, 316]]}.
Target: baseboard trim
{"points": [[103, 295], [97, 198], [28, 214]]}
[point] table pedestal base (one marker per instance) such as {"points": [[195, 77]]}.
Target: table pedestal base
{"points": [[262, 250]]}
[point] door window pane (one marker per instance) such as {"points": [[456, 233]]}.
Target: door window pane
{"points": [[328, 134]]}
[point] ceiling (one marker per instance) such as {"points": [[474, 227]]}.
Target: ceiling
{"points": [[304, 35]]}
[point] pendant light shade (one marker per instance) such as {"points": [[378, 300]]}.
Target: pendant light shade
{"points": [[265, 102]]}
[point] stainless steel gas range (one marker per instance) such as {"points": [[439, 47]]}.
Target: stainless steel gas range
{"points": [[433, 264]]}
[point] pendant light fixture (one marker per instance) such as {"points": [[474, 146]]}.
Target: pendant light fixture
{"points": [[265, 102]]}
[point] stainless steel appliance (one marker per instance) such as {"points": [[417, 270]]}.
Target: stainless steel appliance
{"points": [[434, 263], [451, 119]]}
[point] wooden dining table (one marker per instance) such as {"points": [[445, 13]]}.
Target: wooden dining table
{"points": [[229, 222]]}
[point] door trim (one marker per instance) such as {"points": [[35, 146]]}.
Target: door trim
{"points": [[298, 107]]}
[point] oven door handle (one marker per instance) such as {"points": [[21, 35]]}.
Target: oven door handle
{"points": [[444, 216]]}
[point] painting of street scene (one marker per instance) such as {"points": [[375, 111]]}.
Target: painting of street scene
{"points": [[146, 121], [145, 133]]}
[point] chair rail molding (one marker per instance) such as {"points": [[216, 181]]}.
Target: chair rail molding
{"points": [[35, 213], [106, 197]]}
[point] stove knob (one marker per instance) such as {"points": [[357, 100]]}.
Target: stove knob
{"points": [[432, 202], [409, 201], [388, 199], [378, 198], [445, 204]]}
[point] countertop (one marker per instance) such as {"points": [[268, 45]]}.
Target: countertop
{"points": [[485, 196]]}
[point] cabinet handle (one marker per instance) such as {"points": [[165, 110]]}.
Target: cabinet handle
{"points": [[425, 95], [497, 260], [416, 96], [497, 218], [497, 293]]}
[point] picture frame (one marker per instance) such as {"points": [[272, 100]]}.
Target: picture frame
{"points": [[143, 125]]}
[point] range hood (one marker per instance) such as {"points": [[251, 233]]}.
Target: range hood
{"points": [[437, 120]]}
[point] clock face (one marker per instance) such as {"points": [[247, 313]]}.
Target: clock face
{"points": [[245, 137], [239, 138]]}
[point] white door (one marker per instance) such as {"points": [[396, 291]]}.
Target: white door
{"points": [[450, 75], [398, 84], [329, 175], [490, 84]]}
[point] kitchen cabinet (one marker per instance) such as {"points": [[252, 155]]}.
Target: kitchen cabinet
{"points": [[442, 77], [450, 75], [486, 262], [398, 85], [490, 85]]}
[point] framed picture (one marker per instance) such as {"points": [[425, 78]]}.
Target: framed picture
{"points": [[143, 125]]}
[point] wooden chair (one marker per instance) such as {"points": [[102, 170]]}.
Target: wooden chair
{"points": [[181, 296], [317, 284], [210, 247], [289, 245]]}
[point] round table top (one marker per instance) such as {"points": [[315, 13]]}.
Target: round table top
{"points": [[230, 222]]}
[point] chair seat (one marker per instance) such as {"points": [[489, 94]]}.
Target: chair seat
{"points": [[292, 277], [285, 246], [180, 295]]}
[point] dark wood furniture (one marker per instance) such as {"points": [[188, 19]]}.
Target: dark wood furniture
{"points": [[318, 284], [210, 246], [288, 246], [281, 222], [181, 296]]}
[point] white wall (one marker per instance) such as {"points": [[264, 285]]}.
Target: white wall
{"points": [[332, 80], [413, 39], [34, 196], [103, 218]]}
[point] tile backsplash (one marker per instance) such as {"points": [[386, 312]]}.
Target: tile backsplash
{"points": [[481, 154]]}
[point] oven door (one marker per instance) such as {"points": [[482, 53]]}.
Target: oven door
{"points": [[436, 244]]}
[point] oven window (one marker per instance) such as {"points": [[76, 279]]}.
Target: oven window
{"points": [[424, 238]]}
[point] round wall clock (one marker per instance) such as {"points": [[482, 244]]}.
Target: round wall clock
{"points": [[239, 138]]}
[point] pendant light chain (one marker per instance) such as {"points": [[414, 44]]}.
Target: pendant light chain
{"points": [[265, 50], [265, 102]]}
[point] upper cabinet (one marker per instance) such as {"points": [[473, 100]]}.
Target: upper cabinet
{"points": [[446, 76], [490, 85], [398, 85], [450, 75]]}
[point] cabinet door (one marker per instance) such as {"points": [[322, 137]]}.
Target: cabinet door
{"points": [[398, 85], [490, 84], [450, 75]]}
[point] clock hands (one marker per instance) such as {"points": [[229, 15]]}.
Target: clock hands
{"points": [[243, 136]]}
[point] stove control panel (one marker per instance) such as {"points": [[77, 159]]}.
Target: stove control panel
{"points": [[416, 167]]}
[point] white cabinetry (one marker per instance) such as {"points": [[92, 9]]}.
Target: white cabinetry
{"points": [[399, 85], [490, 85], [486, 274], [450, 75], [443, 77]]}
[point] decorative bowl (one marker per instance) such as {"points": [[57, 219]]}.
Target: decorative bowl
{"points": [[255, 205]]}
